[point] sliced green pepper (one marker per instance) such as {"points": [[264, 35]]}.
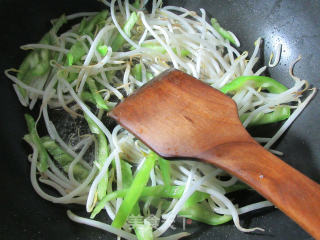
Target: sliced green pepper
{"points": [[101, 104], [77, 51], [160, 191], [165, 171], [280, 113], [103, 50], [137, 72], [103, 152], [64, 159], [134, 192], [224, 33], [119, 40], [203, 214], [43, 155], [263, 82], [37, 62], [89, 26], [159, 48], [127, 179]]}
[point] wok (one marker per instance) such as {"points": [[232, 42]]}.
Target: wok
{"points": [[295, 24]]}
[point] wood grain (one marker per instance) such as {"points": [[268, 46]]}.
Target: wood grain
{"points": [[177, 115]]}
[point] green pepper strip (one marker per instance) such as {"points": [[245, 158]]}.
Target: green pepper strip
{"points": [[64, 159], [119, 40], [158, 48], [159, 191], [165, 171], [103, 50], [264, 82], [134, 192], [203, 214], [43, 155], [136, 4], [127, 179], [103, 153], [224, 33], [89, 26], [37, 62], [87, 97], [197, 212], [137, 72], [96, 96], [280, 113], [76, 52]]}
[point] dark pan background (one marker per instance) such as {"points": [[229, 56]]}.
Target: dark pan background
{"points": [[295, 24]]}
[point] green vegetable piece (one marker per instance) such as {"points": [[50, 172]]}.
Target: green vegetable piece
{"points": [[56, 151], [101, 104], [87, 97], [57, 24], [203, 214], [127, 179], [154, 46], [160, 191], [197, 212], [37, 63], [137, 72], [158, 48], [64, 159], [43, 155], [143, 231], [263, 82], [195, 198], [135, 190], [82, 25], [69, 59], [69, 76], [183, 52], [280, 113], [165, 171], [103, 152], [77, 51], [100, 205], [89, 26], [103, 50], [119, 40], [224, 33], [136, 4]]}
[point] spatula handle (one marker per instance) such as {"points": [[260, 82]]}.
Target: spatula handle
{"points": [[288, 189]]}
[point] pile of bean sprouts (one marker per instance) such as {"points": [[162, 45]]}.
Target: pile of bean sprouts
{"points": [[211, 58]]}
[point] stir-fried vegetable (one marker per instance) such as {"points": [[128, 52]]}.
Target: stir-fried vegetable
{"points": [[135, 191], [43, 158], [86, 70], [103, 152], [64, 159]]}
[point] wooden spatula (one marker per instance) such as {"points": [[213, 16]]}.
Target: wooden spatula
{"points": [[177, 115]]}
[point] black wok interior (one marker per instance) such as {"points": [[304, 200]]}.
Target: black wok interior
{"points": [[295, 24]]}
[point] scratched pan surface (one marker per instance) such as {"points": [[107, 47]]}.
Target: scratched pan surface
{"points": [[295, 24]]}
